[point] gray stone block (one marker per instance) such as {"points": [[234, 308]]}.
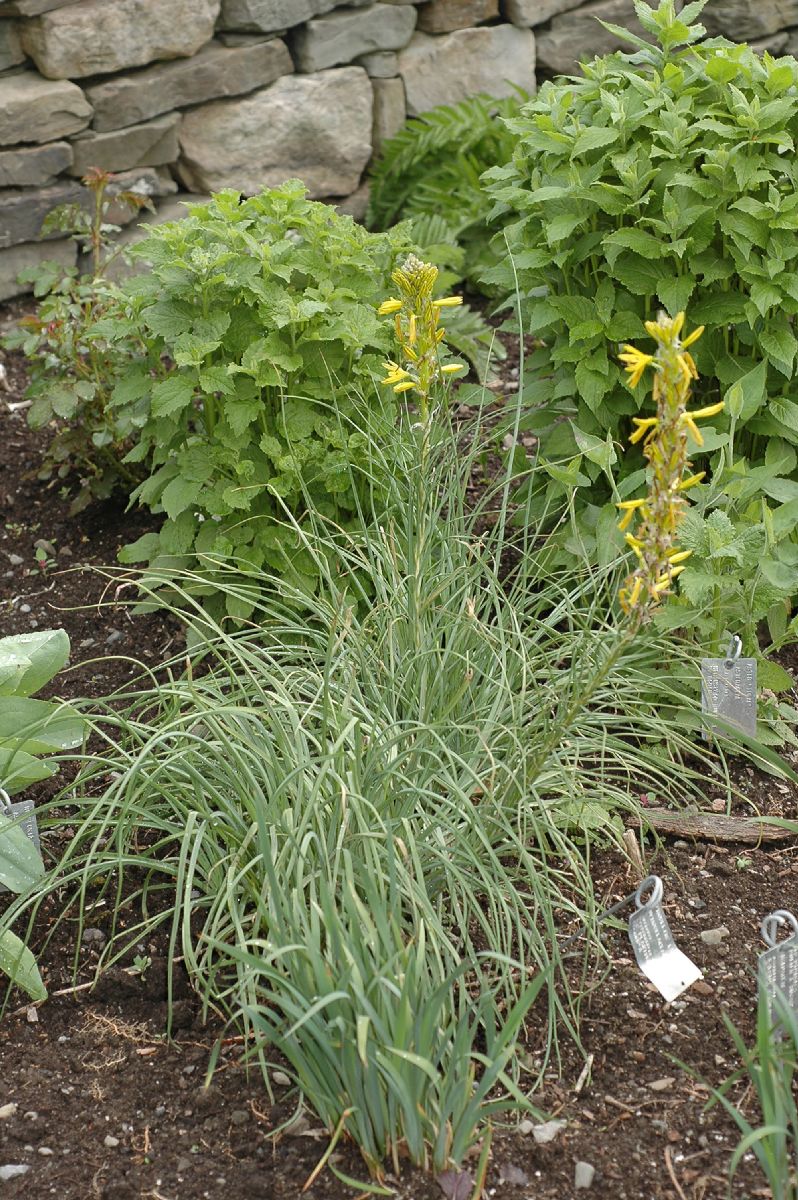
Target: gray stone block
{"points": [[382, 64], [390, 110], [446, 69], [31, 8], [25, 257], [341, 36], [315, 127], [148, 145], [95, 37], [535, 12], [215, 71], [577, 36], [22, 212], [33, 109], [744, 19], [11, 52], [34, 166], [264, 16], [444, 16]]}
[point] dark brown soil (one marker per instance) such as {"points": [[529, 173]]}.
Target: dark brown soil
{"points": [[96, 1102]]}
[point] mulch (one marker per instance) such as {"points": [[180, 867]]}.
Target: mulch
{"points": [[96, 1102]]}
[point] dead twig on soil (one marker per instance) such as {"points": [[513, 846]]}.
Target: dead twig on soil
{"points": [[749, 831], [672, 1173]]}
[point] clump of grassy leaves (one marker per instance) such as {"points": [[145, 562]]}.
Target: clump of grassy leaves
{"points": [[363, 818]]}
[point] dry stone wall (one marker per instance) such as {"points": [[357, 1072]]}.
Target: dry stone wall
{"points": [[184, 97]]}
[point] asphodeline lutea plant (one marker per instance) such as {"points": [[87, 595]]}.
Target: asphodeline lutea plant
{"points": [[418, 333], [665, 444]]}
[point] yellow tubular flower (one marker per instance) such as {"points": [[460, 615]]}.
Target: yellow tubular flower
{"points": [[389, 307], [635, 363], [450, 368], [644, 426], [448, 302], [407, 386], [691, 481]]}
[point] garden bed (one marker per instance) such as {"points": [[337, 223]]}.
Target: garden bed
{"points": [[106, 1107]]}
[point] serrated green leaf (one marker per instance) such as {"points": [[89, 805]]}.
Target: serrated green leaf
{"points": [[178, 495], [172, 395]]}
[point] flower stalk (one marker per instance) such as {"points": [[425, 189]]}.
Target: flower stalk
{"points": [[657, 516], [419, 334]]}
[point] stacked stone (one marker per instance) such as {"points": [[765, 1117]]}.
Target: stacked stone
{"points": [[206, 94]]}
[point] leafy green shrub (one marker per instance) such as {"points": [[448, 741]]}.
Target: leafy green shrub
{"points": [[73, 364], [267, 308], [661, 178]]}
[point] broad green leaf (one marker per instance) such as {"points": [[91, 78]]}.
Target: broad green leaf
{"points": [[593, 138], [18, 770], [599, 450], [20, 862], [172, 395], [17, 961], [780, 345], [179, 494], [38, 726], [30, 660], [748, 394]]}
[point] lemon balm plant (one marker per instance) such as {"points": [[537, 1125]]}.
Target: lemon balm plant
{"points": [[267, 309]]}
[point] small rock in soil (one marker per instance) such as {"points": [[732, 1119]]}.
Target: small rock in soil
{"points": [[239, 1116], [16, 560], [714, 937], [110, 1141], [508, 1173], [24, 608], [662, 1085], [13, 1171], [93, 937], [583, 1175], [7, 1110]]}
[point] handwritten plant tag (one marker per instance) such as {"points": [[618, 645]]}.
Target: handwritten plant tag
{"points": [[658, 956], [728, 691], [778, 966]]}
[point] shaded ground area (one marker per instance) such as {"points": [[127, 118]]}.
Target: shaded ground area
{"points": [[95, 1101]]}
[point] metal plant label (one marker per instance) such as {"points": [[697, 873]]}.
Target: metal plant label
{"points": [[778, 965], [658, 956], [728, 690]]}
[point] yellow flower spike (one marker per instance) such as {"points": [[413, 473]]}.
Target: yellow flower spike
{"points": [[389, 306], [448, 302], [665, 445], [694, 336], [644, 425]]}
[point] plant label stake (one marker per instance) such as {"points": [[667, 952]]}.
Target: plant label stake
{"points": [[658, 956], [778, 965], [728, 689], [20, 808]]}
